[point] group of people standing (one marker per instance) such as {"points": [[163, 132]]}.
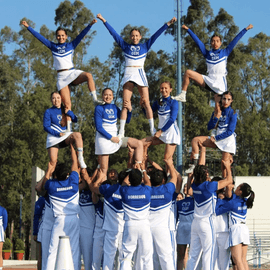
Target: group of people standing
{"points": [[139, 205]]}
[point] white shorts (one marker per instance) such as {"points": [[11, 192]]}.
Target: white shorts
{"points": [[227, 145], [104, 146], [65, 78], [183, 233], [239, 234], [53, 140], [136, 75], [218, 84], [2, 234], [171, 135]]}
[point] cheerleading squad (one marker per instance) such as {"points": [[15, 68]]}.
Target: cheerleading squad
{"points": [[136, 219]]}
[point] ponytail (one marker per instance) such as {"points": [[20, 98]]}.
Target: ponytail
{"points": [[250, 199], [247, 193]]}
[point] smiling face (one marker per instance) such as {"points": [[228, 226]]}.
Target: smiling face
{"points": [[215, 42], [135, 37], [165, 89], [107, 96], [56, 100], [226, 100], [61, 36]]}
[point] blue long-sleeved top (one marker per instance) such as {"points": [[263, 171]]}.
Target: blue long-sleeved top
{"points": [[135, 54], [3, 217], [216, 60], [62, 52], [39, 207], [106, 118], [167, 112], [226, 123], [52, 121]]}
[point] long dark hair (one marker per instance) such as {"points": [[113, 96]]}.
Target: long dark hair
{"points": [[247, 192], [200, 174]]}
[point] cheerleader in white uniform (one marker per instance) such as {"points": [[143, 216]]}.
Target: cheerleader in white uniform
{"points": [[3, 226], [237, 206], [106, 141], [216, 60], [135, 55], [63, 62], [223, 123], [168, 132], [58, 137]]}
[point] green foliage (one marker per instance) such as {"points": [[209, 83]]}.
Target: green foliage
{"points": [[19, 245], [7, 245]]}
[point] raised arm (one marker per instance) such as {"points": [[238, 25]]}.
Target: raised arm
{"points": [[99, 16], [197, 41], [94, 186], [169, 163]]}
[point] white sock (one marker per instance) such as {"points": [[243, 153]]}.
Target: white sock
{"points": [[69, 126], [196, 156], [184, 92], [151, 123], [80, 154], [122, 126], [94, 95]]}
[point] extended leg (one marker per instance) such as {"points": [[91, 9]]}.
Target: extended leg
{"points": [[65, 96]]}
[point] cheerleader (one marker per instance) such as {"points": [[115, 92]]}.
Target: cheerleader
{"points": [[216, 60], [62, 61], [106, 141], [168, 131], [58, 137], [237, 205], [223, 123], [3, 226], [135, 54]]}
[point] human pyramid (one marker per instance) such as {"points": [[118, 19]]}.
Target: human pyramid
{"points": [[139, 211]]}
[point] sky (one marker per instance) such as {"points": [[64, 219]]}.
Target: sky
{"points": [[119, 13]]}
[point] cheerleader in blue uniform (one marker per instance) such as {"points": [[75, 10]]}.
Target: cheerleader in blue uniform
{"points": [[58, 136], [223, 124], [106, 141], [237, 205], [135, 54], [216, 60], [3, 226], [168, 131], [63, 62]]}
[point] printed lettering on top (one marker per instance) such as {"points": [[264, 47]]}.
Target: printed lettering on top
{"points": [[59, 117], [185, 205], [64, 189], [135, 50], [162, 108], [222, 120], [84, 197], [214, 56], [117, 196], [61, 49], [242, 207], [110, 113]]}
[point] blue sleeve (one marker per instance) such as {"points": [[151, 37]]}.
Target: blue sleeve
{"points": [[42, 39], [212, 122], [211, 186], [231, 127], [198, 42], [47, 124], [103, 189], [39, 205], [153, 38], [5, 218], [173, 116], [98, 122], [234, 41], [155, 106], [73, 116], [115, 35], [78, 39], [223, 206]]}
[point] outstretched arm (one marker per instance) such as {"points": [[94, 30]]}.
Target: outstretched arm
{"points": [[99, 16], [24, 23], [172, 21], [250, 26]]}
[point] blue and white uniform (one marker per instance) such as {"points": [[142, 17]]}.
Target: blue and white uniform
{"points": [[237, 210], [106, 125], [98, 236], [135, 56], [113, 223], [136, 205], [224, 134], [202, 228], [87, 226], [52, 125], [64, 197], [3, 223], [63, 56], [185, 211], [160, 211], [216, 61], [38, 217], [167, 114]]}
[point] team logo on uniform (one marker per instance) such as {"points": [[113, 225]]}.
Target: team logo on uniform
{"points": [[61, 49], [163, 107], [59, 117], [110, 113], [185, 205], [135, 50], [214, 56], [84, 198]]}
